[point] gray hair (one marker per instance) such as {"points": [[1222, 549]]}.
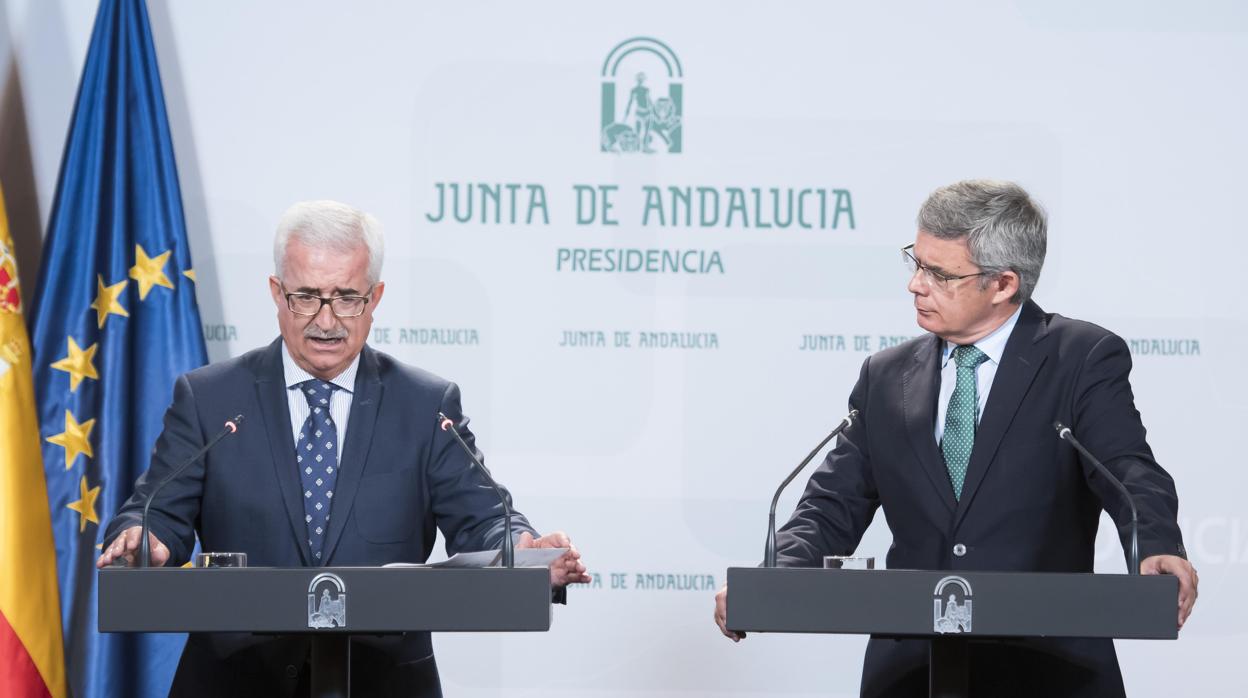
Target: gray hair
{"points": [[329, 225], [1004, 228]]}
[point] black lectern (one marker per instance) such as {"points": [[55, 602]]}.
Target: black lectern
{"points": [[951, 607], [329, 604]]}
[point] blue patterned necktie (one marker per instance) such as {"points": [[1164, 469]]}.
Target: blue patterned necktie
{"points": [[959, 437], [316, 451]]}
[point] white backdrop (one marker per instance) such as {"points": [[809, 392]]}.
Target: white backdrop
{"points": [[1124, 118]]}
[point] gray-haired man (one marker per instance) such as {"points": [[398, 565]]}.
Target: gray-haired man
{"points": [[955, 442], [341, 464]]}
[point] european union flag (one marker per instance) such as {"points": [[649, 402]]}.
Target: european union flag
{"points": [[115, 322]]}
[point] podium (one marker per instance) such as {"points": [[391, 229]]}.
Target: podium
{"points": [[951, 608], [328, 604]]}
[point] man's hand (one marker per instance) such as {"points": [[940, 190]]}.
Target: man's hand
{"points": [[1188, 579], [568, 568], [721, 616], [126, 546]]}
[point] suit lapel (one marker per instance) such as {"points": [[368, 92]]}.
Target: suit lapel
{"points": [[1023, 356], [920, 387], [271, 392], [365, 402]]}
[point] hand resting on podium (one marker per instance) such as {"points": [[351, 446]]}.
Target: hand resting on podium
{"points": [[568, 569], [1188, 579], [721, 615], [126, 547]]}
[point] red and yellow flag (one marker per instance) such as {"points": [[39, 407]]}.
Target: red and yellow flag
{"points": [[32, 659]]}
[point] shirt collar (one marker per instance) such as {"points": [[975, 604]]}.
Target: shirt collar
{"points": [[296, 375], [993, 345]]}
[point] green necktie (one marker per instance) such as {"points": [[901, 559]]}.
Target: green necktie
{"points": [[959, 437]]}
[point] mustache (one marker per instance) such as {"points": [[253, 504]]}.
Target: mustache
{"points": [[314, 332]]}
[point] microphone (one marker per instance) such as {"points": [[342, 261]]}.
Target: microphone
{"points": [[1064, 432], [145, 551], [769, 555], [448, 424]]}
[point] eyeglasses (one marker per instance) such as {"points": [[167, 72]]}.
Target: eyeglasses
{"points": [[342, 306], [933, 278]]}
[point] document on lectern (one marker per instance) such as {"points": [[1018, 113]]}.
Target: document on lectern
{"points": [[526, 557]]}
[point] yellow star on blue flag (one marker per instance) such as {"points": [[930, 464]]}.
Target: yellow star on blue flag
{"points": [[85, 505], [78, 364], [149, 271], [75, 439], [107, 301]]}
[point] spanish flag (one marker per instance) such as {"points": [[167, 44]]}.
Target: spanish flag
{"points": [[32, 660]]}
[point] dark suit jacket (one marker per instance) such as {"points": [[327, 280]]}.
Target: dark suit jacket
{"points": [[1028, 503], [400, 478]]}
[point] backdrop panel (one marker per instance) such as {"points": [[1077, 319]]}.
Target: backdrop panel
{"points": [[653, 318]]}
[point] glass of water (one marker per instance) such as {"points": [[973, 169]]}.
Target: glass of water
{"points": [[221, 560], [848, 562]]}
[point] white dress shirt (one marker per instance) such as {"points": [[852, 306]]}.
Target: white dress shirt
{"points": [[339, 402], [994, 347]]}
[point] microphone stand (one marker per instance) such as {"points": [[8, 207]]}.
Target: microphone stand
{"points": [[448, 424], [769, 555], [145, 547], [1064, 432]]}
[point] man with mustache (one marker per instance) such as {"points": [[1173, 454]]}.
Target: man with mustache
{"points": [[341, 463], [955, 441]]}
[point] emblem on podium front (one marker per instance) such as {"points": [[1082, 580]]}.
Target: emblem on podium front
{"points": [[327, 602], [951, 606]]}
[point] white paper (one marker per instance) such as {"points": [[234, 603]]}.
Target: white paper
{"points": [[527, 557]]}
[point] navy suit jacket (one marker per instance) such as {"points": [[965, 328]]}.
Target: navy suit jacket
{"points": [[400, 479], [1029, 503]]}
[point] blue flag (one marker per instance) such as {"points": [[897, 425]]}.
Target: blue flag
{"points": [[114, 323]]}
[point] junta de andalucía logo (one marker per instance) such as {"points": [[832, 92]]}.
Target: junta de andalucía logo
{"points": [[642, 98]]}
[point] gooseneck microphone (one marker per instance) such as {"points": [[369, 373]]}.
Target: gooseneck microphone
{"points": [[448, 424], [1064, 432], [769, 556], [145, 547]]}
